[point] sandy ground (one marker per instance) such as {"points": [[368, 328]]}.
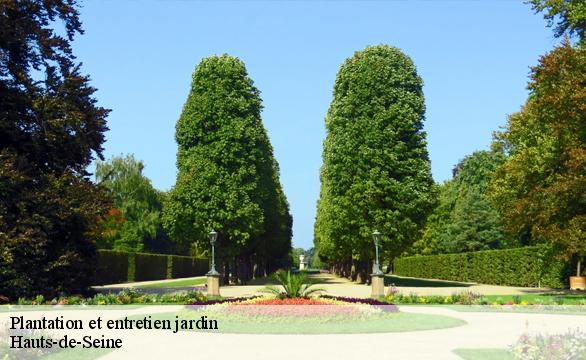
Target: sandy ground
{"points": [[342, 287]]}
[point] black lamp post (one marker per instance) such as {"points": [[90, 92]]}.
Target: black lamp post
{"points": [[376, 238], [213, 236]]}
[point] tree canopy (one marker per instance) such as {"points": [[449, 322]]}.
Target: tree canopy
{"points": [[50, 130], [566, 16], [541, 187], [228, 179], [137, 204], [464, 218], [376, 171]]}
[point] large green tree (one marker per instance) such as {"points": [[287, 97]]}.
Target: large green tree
{"points": [[376, 170], [139, 205], [568, 17], [541, 188], [464, 218], [50, 131], [228, 179]]}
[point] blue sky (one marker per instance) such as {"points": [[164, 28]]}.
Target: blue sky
{"points": [[474, 58]]}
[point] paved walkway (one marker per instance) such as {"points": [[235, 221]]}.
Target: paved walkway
{"points": [[482, 330]]}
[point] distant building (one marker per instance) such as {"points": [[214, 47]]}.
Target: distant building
{"points": [[303, 264]]}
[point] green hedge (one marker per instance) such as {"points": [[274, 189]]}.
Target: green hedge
{"points": [[527, 266], [150, 267], [119, 267], [112, 267], [185, 266]]}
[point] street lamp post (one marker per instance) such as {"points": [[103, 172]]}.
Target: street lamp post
{"points": [[376, 269], [213, 275], [377, 276], [213, 236]]}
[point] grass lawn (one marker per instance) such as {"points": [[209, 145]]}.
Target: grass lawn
{"points": [[175, 283], [560, 299], [201, 281], [484, 354], [416, 282]]}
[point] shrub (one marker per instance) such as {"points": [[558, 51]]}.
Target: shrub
{"points": [[112, 267], [119, 266], [185, 266], [526, 266], [128, 296], [294, 285], [150, 267]]}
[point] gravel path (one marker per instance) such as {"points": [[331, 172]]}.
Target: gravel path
{"points": [[339, 287]]}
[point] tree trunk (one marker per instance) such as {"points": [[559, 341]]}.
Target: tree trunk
{"points": [[243, 270], [389, 269], [226, 274], [361, 268]]}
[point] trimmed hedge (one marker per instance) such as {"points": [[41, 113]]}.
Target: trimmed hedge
{"points": [[119, 266], [527, 266], [150, 267], [112, 267], [185, 266]]}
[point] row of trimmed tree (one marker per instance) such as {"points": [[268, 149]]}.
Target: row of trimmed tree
{"points": [[227, 181], [376, 171], [228, 178], [528, 189], [53, 217]]}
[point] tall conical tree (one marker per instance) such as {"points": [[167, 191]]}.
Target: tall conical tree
{"points": [[376, 171], [228, 177]]}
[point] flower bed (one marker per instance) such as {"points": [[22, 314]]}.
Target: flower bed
{"points": [[571, 345], [296, 307], [124, 297], [317, 315]]}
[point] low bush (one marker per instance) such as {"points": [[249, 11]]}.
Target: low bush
{"points": [[527, 266], [125, 297]]}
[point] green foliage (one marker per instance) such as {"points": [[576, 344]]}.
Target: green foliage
{"points": [[150, 267], [125, 297], [295, 253], [541, 187], [185, 266], [293, 285], [464, 218], [119, 266], [376, 171], [313, 258], [228, 179], [139, 203], [51, 130], [461, 298], [112, 267], [131, 266], [570, 15], [526, 266], [169, 267]]}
